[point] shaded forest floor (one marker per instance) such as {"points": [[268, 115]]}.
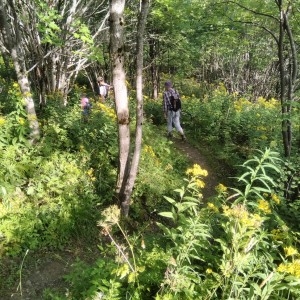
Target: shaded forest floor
{"points": [[46, 270]]}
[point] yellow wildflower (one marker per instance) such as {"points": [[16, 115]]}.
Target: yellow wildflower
{"points": [[107, 110], [149, 150], [2, 121], [90, 172], [221, 188], [290, 251], [200, 184], [252, 220], [208, 271], [264, 206], [212, 207], [196, 171], [292, 268], [275, 198], [241, 214], [21, 121]]}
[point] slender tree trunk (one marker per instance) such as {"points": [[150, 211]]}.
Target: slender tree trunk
{"points": [[120, 89], [139, 107], [293, 71], [153, 45], [128, 166], [287, 80]]}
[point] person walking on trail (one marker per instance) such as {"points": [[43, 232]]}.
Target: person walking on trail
{"points": [[103, 89], [85, 106], [172, 109]]}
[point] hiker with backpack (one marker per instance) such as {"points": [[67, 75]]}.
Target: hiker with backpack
{"points": [[172, 109], [103, 89]]}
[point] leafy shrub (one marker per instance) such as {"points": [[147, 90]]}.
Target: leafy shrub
{"points": [[250, 253], [49, 191]]}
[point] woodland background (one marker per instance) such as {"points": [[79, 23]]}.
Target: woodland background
{"points": [[63, 180]]}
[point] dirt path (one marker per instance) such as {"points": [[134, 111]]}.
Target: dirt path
{"points": [[41, 271], [216, 172]]}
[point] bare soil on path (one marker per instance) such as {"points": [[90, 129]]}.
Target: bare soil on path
{"points": [[217, 172]]}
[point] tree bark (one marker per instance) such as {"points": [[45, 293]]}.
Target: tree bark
{"points": [[128, 165], [120, 89], [287, 78], [12, 40], [139, 107]]}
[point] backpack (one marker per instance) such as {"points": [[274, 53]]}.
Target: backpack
{"points": [[175, 101], [88, 106]]}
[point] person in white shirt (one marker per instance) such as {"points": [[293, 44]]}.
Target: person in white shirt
{"points": [[103, 89]]}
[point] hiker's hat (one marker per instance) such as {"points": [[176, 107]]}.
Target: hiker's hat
{"points": [[168, 84]]}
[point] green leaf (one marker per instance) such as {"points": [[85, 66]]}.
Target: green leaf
{"points": [[172, 201], [167, 214]]}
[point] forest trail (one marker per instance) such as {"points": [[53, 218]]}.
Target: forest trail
{"points": [[216, 172]]}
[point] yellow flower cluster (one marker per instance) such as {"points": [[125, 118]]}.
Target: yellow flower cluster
{"points": [[221, 188], [15, 90], [149, 150], [90, 174], [269, 104], [264, 206], [212, 207], [107, 110], [290, 251], [151, 157], [21, 121], [241, 214], [221, 90], [292, 268], [275, 198], [200, 183], [2, 121], [196, 171], [241, 104]]}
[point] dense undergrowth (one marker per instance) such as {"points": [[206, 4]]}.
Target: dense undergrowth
{"points": [[240, 244]]}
